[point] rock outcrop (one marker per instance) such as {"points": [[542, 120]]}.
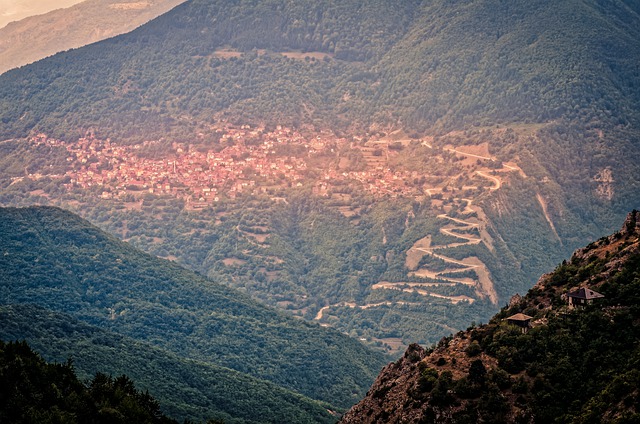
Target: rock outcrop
{"points": [[570, 363]]}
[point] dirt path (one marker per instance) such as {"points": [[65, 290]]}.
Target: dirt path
{"points": [[453, 299], [460, 229], [449, 149], [483, 284], [496, 180], [322, 310]]}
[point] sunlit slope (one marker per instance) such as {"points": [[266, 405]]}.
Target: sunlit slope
{"points": [[37, 37]]}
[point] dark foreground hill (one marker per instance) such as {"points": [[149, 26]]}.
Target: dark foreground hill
{"points": [[576, 364], [33, 390], [184, 388], [56, 260]]}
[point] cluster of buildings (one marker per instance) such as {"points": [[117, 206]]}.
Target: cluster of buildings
{"points": [[240, 160]]}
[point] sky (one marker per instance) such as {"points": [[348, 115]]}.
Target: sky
{"points": [[14, 10]]}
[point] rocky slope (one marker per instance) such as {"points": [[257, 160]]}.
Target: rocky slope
{"points": [[570, 364]]}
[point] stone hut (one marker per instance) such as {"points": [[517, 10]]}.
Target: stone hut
{"points": [[582, 297], [521, 320]]}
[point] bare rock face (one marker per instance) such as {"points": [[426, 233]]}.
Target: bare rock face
{"points": [[386, 397], [515, 299]]}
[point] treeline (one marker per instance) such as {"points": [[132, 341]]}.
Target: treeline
{"points": [[34, 390], [411, 64]]}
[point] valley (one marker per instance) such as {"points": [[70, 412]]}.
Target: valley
{"points": [[251, 207], [232, 195]]}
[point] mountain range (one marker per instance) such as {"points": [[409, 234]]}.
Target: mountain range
{"points": [[35, 37], [515, 125]]}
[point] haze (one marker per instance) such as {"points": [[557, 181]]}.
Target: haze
{"points": [[14, 10]]}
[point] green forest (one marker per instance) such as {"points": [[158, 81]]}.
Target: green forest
{"points": [[185, 389], [34, 390], [311, 256], [56, 260], [423, 64]]}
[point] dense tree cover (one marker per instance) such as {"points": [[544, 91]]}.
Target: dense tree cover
{"points": [[413, 64], [178, 83], [185, 389], [34, 390], [56, 260]]}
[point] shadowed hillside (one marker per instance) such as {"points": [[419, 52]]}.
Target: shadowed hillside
{"points": [[56, 260]]}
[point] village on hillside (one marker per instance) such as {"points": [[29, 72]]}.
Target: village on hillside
{"points": [[246, 160]]}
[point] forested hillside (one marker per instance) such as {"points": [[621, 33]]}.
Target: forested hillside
{"points": [[185, 389], [387, 63], [425, 67], [427, 159], [54, 259]]}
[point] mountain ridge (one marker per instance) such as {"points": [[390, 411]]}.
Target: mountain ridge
{"points": [[538, 359], [36, 37], [59, 261], [436, 74]]}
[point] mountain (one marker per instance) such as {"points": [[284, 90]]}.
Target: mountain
{"points": [[35, 37], [430, 159], [14, 10], [185, 389], [36, 391], [540, 359], [58, 261], [434, 64]]}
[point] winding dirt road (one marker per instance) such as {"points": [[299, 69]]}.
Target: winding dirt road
{"points": [[483, 284], [456, 228]]}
